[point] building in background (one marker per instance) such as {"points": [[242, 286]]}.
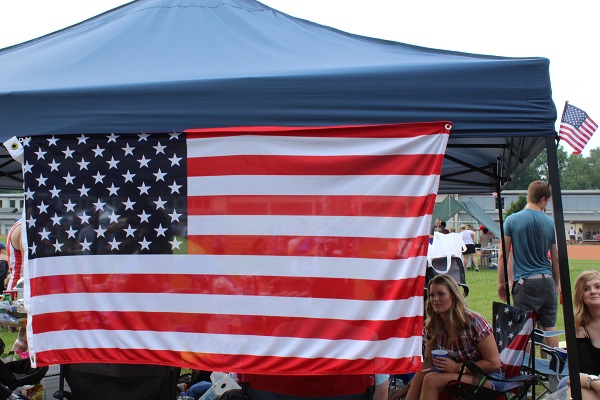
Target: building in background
{"points": [[11, 208], [581, 208]]}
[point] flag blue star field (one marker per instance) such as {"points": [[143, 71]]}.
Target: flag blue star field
{"points": [[97, 197], [576, 128], [254, 250], [512, 330]]}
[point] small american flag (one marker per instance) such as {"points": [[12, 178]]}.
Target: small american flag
{"points": [[254, 250], [512, 330], [576, 128]]}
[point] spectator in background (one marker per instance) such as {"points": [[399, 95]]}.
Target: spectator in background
{"points": [[444, 230], [4, 270], [485, 239], [580, 236], [15, 261], [469, 255], [572, 235], [437, 227]]}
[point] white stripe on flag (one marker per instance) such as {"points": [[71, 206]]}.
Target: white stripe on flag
{"points": [[312, 146], [233, 344], [234, 265], [371, 185], [344, 309], [283, 225]]}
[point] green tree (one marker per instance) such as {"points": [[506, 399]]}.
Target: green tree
{"points": [[516, 206], [538, 169], [577, 174]]}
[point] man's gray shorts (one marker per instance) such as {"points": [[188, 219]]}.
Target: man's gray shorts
{"points": [[538, 295]]}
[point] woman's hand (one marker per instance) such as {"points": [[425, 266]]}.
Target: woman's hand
{"points": [[446, 364]]}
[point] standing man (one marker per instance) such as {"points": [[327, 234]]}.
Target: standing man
{"points": [[535, 278], [572, 235]]}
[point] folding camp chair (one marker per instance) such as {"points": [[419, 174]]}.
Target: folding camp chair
{"points": [[435, 267], [118, 382], [549, 371], [513, 331]]}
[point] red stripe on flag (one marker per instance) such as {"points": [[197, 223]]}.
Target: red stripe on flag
{"points": [[346, 131], [228, 324], [359, 206], [421, 164], [378, 248], [234, 363], [284, 286]]}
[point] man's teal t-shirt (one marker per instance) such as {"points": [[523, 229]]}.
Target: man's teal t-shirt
{"points": [[532, 233]]}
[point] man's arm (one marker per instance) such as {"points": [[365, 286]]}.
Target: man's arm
{"points": [[555, 265], [501, 279]]}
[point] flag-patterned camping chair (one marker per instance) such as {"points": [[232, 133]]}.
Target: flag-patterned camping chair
{"points": [[513, 331]]}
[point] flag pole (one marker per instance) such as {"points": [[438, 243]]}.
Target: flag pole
{"points": [[561, 117]]}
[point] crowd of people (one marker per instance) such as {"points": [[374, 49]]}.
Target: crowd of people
{"points": [[534, 281], [468, 236]]}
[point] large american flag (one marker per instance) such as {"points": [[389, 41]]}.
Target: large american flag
{"points": [[576, 128], [257, 250], [512, 330]]}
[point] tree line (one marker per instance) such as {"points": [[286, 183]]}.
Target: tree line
{"points": [[577, 172]]}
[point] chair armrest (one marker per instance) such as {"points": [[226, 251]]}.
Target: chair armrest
{"points": [[474, 368]]}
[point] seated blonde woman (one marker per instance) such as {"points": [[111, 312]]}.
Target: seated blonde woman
{"points": [[586, 304], [466, 335]]}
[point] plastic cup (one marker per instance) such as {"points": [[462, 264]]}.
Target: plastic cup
{"points": [[438, 353]]}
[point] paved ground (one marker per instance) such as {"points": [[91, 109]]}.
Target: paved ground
{"points": [[584, 252]]}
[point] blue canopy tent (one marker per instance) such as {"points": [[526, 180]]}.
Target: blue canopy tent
{"points": [[162, 65], [156, 65]]}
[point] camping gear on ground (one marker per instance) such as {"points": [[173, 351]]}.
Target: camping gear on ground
{"points": [[15, 374], [94, 381]]}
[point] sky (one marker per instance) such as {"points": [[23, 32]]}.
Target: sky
{"points": [[562, 31]]}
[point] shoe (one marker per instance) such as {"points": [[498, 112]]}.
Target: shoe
{"points": [[476, 269]]}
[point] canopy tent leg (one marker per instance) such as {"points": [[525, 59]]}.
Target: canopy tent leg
{"points": [[502, 245], [563, 261]]}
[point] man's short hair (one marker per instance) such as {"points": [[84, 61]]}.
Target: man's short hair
{"points": [[538, 190]]}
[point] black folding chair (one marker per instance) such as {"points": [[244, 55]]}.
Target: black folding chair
{"points": [[436, 266]]}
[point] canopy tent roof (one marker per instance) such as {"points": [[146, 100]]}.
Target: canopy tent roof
{"points": [[163, 65], [450, 207]]}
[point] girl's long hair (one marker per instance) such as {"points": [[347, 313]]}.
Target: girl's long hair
{"points": [[459, 319], [581, 314]]}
